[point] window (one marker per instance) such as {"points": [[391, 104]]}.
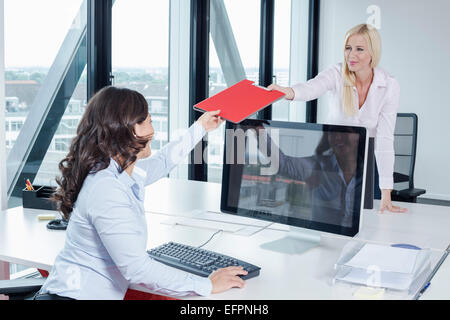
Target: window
{"points": [[36, 47], [140, 55], [62, 145], [281, 53], [244, 17], [67, 129], [16, 125], [239, 24], [164, 125], [156, 125], [38, 27], [290, 54]]}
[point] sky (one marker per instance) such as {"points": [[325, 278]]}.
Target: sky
{"points": [[35, 30]]}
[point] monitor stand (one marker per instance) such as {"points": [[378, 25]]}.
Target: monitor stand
{"points": [[297, 241]]}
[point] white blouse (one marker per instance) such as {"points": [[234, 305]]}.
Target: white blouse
{"points": [[378, 113]]}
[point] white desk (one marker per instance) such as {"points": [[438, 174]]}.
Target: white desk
{"points": [[440, 284], [423, 225], [25, 240]]}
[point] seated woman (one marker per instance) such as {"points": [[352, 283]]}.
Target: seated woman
{"points": [[102, 191]]}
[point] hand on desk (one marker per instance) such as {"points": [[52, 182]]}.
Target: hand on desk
{"points": [[386, 203], [227, 278]]}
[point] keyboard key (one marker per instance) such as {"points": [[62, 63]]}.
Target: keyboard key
{"points": [[169, 257]]}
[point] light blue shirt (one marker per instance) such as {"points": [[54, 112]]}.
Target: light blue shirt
{"points": [[106, 239]]}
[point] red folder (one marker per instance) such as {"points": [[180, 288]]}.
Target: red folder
{"points": [[240, 101]]}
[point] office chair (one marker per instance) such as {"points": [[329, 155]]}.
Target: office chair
{"points": [[22, 289], [405, 145], [25, 289]]}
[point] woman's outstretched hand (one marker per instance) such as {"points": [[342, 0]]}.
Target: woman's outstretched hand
{"points": [[289, 92], [386, 203], [210, 120]]}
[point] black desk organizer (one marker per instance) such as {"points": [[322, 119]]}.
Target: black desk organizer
{"points": [[39, 198]]}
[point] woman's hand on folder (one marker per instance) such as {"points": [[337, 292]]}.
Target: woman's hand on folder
{"points": [[289, 92], [210, 120]]}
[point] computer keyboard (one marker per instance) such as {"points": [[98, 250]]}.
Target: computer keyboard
{"points": [[198, 261]]}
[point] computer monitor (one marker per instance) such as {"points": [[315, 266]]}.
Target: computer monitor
{"points": [[308, 176]]}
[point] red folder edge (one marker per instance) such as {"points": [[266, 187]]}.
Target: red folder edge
{"points": [[240, 101]]}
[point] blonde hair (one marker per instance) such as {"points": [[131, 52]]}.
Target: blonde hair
{"points": [[373, 40]]}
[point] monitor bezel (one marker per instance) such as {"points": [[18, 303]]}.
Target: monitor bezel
{"points": [[291, 221]]}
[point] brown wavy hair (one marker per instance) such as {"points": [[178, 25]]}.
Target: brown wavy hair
{"points": [[105, 131]]}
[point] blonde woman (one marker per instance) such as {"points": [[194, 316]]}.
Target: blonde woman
{"points": [[362, 94]]}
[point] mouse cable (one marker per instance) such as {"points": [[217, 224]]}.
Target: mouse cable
{"points": [[217, 232]]}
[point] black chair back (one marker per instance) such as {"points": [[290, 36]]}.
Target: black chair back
{"points": [[405, 147]]}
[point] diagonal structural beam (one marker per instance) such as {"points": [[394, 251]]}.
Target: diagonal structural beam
{"points": [[225, 44], [48, 107]]}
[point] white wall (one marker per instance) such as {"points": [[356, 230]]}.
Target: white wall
{"points": [[416, 50]]}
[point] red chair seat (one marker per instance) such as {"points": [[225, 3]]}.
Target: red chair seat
{"points": [[130, 294]]}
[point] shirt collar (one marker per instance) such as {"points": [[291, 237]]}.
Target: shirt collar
{"points": [[379, 78], [136, 185], [337, 168], [123, 176]]}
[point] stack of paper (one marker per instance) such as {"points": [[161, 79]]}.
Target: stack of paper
{"points": [[383, 266]]}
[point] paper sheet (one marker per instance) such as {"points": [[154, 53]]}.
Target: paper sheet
{"points": [[385, 259], [374, 278]]}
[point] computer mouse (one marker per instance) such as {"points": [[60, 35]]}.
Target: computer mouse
{"points": [[57, 224]]}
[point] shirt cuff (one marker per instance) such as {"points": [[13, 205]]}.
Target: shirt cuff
{"points": [[386, 183], [199, 132], [202, 286], [297, 94]]}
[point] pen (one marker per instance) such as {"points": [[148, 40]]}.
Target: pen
{"points": [[425, 288], [433, 272], [29, 185]]}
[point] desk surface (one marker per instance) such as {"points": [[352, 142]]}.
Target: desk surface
{"points": [[440, 284], [25, 240], [418, 226]]}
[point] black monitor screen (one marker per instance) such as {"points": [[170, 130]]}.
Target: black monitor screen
{"points": [[300, 174]]}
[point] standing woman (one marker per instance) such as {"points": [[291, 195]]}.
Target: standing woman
{"points": [[102, 191], [362, 94]]}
